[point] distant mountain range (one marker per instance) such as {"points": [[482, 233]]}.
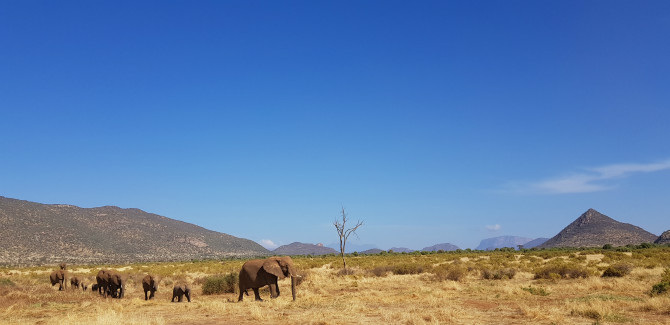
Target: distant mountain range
{"points": [[594, 229], [535, 242], [34, 233], [502, 241], [297, 248], [444, 247], [509, 241]]}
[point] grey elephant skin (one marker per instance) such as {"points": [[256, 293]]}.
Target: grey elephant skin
{"points": [[256, 274], [102, 281], [117, 284], [75, 282], [58, 276], [149, 284], [110, 283], [181, 290]]}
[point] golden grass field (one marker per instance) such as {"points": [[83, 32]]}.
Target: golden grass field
{"points": [[371, 294]]}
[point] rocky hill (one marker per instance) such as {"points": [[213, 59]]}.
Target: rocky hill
{"points": [[303, 249], [445, 247], [35, 233], [593, 229], [664, 238]]}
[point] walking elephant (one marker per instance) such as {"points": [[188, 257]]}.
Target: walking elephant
{"points": [[102, 282], [258, 273], [117, 284], [75, 282], [149, 284], [58, 276], [181, 290]]}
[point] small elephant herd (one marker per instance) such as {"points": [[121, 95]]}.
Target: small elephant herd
{"points": [[254, 275], [113, 284]]}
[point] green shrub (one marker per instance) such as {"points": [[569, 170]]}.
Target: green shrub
{"points": [[618, 270], [219, 284], [561, 271], [664, 285], [6, 282], [666, 276], [381, 270], [407, 268], [499, 274], [453, 272], [660, 288]]}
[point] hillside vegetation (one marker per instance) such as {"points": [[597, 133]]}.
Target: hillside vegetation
{"points": [[52, 233]]}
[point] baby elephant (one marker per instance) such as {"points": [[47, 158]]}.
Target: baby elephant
{"points": [[75, 282], [150, 284], [179, 291]]}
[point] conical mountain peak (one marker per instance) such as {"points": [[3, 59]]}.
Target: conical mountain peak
{"points": [[593, 229], [592, 216]]}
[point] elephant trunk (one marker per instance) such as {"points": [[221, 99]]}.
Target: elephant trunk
{"points": [[293, 286]]}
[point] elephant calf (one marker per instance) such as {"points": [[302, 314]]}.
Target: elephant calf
{"points": [[150, 284], [180, 291], [75, 282]]}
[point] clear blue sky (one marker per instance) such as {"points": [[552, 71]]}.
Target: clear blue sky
{"points": [[431, 121]]}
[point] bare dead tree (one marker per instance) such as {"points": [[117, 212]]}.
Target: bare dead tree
{"points": [[343, 233]]}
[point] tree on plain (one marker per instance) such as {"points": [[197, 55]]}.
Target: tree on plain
{"points": [[343, 233]]}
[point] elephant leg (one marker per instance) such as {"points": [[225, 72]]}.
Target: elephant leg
{"points": [[145, 295], [240, 298], [152, 294], [181, 297], [273, 290], [257, 294], [188, 296]]}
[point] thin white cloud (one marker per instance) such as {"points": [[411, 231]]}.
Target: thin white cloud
{"points": [[268, 244], [495, 227], [591, 179]]}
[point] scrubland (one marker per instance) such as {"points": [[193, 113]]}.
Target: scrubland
{"points": [[500, 287]]}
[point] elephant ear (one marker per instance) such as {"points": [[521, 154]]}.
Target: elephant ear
{"points": [[271, 265]]}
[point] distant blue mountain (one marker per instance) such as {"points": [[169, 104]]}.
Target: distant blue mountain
{"points": [[535, 242], [445, 247], [352, 247], [401, 250], [502, 241]]}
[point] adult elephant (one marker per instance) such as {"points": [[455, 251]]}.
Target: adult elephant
{"points": [[258, 273], [102, 281], [116, 283], [149, 284], [58, 276], [181, 290]]}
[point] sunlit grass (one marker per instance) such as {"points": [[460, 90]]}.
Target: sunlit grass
{"points": [[412, 289]]}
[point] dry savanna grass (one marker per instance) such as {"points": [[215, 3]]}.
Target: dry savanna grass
{"points": [[446, 288]]}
